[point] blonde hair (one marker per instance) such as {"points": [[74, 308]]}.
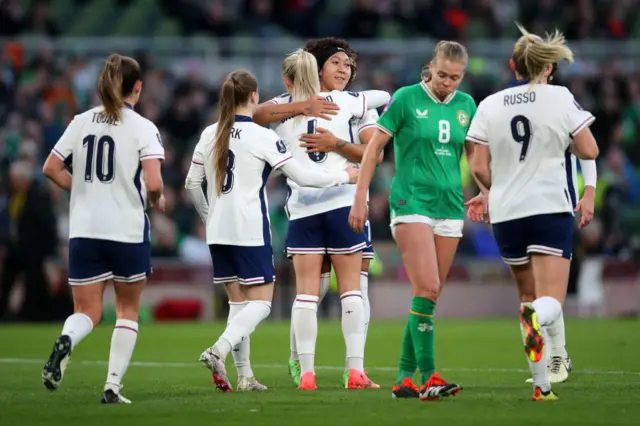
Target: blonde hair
{"points": [[532, 54], [235, 92], [301, 69], [451, 50], [117, 80]]}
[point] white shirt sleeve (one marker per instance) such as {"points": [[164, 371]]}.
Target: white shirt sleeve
{"points": [[575, 119], [150, 143], [193, 183], [478, 132], [376, 98], [273, 151], [64, 147], [368, 121], [312, 178], [354, 102], [589, 172]]}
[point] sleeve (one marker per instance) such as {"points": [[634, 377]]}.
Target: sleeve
{"points": [[274, 151], [357, 103], [64, 147], [278, 100], [151, 144], [392, 118], [368, 121], [478, 130], [575, 118], [376, 98], [193, 183], [589, 172], [313, 178]]}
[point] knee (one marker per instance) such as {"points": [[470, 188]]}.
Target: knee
{"points": [[91, 310], [428, 292]]}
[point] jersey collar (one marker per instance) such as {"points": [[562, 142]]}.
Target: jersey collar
{"points": [[244, 118], [128, 105], [433, 97], [515, 83]]}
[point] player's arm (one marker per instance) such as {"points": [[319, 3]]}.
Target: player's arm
{"points": [[151, 158], [325, 141], [317, 178], [586, 205], [55, 167], [193, 184], [478, 156], [273, 111]]}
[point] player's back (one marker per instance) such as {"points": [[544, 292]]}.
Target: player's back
{"points": [[529, 132], [239, 215], [308, 201], [108, 196]]}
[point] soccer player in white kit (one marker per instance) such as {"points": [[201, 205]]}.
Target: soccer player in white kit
{"points": [[525, 135], [337, 68], [116, 156], [318, 224], [559, 364], [236, 157]]}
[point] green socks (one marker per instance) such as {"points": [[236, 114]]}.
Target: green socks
{"points": [[418, 344], [408, 364]]}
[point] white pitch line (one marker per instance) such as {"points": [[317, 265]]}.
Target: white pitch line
{"points": [[321, 367]]}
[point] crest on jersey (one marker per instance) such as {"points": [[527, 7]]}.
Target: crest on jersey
{"points": [[282, 148], [422, 114], [463, 118]]}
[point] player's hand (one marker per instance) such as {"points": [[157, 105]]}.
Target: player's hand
{"points": [[160, 204], [358, 214], [353, 172], [323, 141], [586, 206], [319, 107], [478, 207]]}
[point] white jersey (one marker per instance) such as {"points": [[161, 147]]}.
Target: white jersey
{"points": [[304, 202], [529, 134], [367, 122], [108, 196], [240, 215]]}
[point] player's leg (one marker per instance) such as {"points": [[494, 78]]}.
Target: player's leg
{"points": [[242, 351], [255, 271], [345, 247], [415, 240], [131, 265], [88, 272], [447, 234], [306, 246], [367, 254], [294, 362], [550, 251]]}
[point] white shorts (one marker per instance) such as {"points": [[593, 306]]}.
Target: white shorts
{"points": [[441, 227]]}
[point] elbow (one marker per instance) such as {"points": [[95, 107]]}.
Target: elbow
{"points": [[592, 153], [380, 159]]}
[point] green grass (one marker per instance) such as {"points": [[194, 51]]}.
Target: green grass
{"points": [[169, 387]]}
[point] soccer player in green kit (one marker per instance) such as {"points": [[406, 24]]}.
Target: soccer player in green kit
{"points": [[429, 122]]}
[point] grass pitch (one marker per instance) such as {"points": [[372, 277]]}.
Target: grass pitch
{"points": [[169, 387]]}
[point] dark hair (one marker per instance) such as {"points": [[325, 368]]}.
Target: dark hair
{"points": [[117, 79], [236, 91], [318, 45]]}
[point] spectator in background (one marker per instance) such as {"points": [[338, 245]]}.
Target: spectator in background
{"points": [[32, 238]]}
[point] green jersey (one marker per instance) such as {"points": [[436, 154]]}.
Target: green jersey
{"points": [[429, 137]]}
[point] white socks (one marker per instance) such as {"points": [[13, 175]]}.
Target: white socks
{"points": [[242, 325], [123, 341], [325, 281], [304, 319], [364, 289], [557, 341], [547, 309], [353, 328], [242, 350], [77, 327]]}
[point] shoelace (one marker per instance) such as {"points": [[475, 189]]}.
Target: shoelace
{"points": [[556, 363]]}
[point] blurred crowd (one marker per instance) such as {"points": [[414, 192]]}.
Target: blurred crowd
{"points": [[41, 91]]}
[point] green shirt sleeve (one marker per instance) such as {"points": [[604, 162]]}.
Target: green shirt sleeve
{"points": [[392, 118]]}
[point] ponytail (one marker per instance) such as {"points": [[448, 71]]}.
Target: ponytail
{"points": [[235, 92], [117, 80], [301, 69]]}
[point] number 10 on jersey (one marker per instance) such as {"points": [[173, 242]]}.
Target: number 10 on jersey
{"points": [[105, 170]]}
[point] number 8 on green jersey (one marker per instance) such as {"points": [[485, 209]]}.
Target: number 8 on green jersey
{"points": [[429, 137]]}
